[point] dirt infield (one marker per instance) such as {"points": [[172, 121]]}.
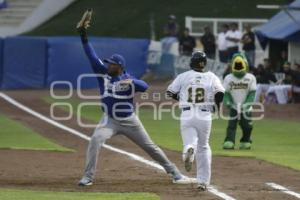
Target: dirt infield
{"points": [[241, 178]]}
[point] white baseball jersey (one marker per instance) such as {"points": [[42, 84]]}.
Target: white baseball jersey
{"points": [[196, 88], [239, 88]]}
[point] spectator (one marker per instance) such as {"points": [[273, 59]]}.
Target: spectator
{"points": [[248, 41], [282, 60], [209, 44], [265, 78], [222, 47], [187, 43], [3, 4], [170, 34], [264, 74], [233, 37], [292, 78], [287, 73], [171, 28], [267, 64], [297, 67], [296, 85]]}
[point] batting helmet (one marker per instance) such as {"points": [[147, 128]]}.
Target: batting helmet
{"points": [[198, 61]]}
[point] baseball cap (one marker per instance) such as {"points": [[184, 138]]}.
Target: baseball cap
{"points": [[116, 59]]}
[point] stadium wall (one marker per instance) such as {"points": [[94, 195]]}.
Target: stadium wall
{"points": [[24, 63], [1, 60], [36, 62]]}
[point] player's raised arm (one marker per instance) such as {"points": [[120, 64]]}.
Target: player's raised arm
{"points": [[82, 27]]}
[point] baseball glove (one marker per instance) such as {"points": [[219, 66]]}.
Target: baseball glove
{"points": [[83, 24], [85, 21]]}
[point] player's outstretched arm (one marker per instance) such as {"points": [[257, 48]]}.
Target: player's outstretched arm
{"points": [[82, 27], [140, 85]]}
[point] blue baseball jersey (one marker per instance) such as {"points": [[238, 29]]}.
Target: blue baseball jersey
{"points": [[117, 98]]}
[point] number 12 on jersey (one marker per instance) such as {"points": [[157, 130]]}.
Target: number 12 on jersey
{"points": [[196, 95]]}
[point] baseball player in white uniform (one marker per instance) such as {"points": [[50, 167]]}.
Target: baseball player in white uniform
{"points": [[197, 92]]}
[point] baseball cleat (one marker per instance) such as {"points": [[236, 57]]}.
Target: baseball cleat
{"points": [[184, 180], [202, 187], [245, 145], [189, 159], [228, 145], [85, 182]]}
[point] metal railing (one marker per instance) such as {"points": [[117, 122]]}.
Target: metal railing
{"points": [[196, 24]]}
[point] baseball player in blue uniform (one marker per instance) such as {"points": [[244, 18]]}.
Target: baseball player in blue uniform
{"points": [[116, 89]]}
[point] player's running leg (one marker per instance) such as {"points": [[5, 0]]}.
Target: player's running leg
{"points": [[135, 131], [189, 139], [203, 155], [104, 131]]}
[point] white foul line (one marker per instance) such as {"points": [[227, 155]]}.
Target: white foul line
{"points": [[283, 189], [77, 133], [222, 195], [85, 137]]}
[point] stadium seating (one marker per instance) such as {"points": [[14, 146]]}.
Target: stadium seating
{"points": [[17, 11], [22, 16], [3, 4]]}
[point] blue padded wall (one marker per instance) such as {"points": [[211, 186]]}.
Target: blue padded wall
{"points": [[67, 59], [24, 62], [33, 62], [1, 61]]}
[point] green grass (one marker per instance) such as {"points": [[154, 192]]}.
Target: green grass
{"points": [[14, 135], [118, 18], [92, 113], [273, 140], [9, 194]]}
